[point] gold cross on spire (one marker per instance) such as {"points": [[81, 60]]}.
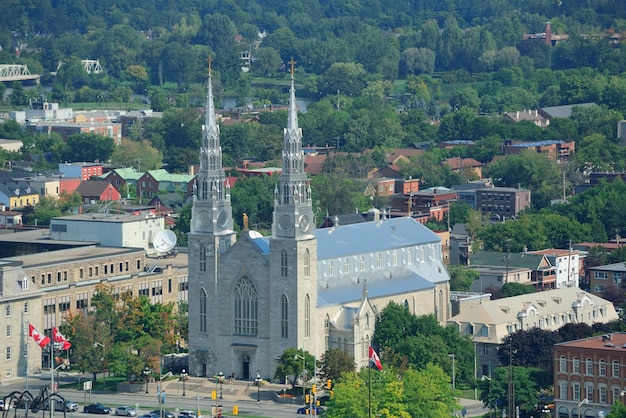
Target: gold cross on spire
{"points": [[292, 63], [209, 60]]}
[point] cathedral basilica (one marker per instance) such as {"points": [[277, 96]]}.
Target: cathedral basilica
{"points": [[251, 296]]}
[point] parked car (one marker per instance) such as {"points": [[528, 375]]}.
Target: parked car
{"points": [[62, 405], [166, 414], [96, 408], [125, 411], [188, 414], [310, 410]]}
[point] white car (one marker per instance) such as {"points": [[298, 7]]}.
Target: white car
{"points": [[125, 411], [188, 414]]}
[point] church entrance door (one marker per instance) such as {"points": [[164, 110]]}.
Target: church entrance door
{"points": [[246, 368]]}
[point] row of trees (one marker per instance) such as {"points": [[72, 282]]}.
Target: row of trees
{"points": [[132, 334]]}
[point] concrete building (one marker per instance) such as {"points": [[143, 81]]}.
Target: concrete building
{"points": [[302, 287], [83, 171], [601, 277], [589, 375], [489, 322]]}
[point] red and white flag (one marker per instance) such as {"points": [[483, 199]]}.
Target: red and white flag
{"points": [[39, 338], [60, 338], [374, 360]]}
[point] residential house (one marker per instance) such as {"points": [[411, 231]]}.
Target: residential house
{"points": [[122, 179], [568, 265], [513, 267], [8, 218], [556, 150], [430, 203], [601, 277], [487, 323], [389, 171], [469, 167], [526, 115], [83, 171], [589, 375], [17, 195], [92, 191], [160, 181]]}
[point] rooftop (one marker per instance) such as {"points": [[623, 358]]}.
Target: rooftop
{"points": [[615, 341]]}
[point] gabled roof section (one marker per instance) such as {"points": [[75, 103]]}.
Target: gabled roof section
{"points": [[92, 188], [163, 175]]}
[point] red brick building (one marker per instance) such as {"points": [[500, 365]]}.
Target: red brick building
{"points": [[589, 375]]}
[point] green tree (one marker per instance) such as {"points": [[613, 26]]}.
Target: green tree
{"points": [[294, 364], [346, 78], [128, 152], [267, 62], [428, 392], [618, 410], [335, 362], [494, 391], [462, 278], [514, 289], [89, 147]]}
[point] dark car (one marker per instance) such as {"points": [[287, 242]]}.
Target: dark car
{"points": [[96, 408], [310, 410], [166, 414]]}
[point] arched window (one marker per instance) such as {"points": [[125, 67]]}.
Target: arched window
{"points": [[331, 268], [406, 303], [203, 309], [395, 258], [202, 257], [367, 319], [284, 317], [379, 260], [245, 308], [563, 364], [362, 263], [346, 265], [327, 333], [307, 316], [283, 263], [307, 263]]}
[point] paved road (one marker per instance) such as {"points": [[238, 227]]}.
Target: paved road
{"points": [[197, 395]]}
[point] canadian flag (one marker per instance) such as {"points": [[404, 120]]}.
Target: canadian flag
{"points": [[60, 338], [374, 360], [39, 338]]}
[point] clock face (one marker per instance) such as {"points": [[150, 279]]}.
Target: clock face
{"points": [[304, 223], [204, 218], [222, 219], [284, 223]]}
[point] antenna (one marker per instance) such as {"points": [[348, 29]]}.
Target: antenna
{"points": [[164, 241]]}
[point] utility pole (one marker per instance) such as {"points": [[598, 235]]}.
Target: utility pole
{"points": [[511, 382]]}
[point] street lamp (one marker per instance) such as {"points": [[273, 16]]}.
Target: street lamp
{"points": [[296, 357], [584, 401], [183, 375], [258, 386], [104, 354], [453, 372], [146, 372], [220, 378]]}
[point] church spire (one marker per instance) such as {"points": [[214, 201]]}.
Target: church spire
{"points": [[293, 214], [212, 210]]}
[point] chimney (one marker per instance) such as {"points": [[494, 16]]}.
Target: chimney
{"points": [[548, 34]]}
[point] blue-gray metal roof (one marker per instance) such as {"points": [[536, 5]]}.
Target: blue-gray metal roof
{"points": [[368, 237], [365, 237]]}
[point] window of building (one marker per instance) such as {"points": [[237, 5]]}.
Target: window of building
{"points": [[602, 365], [9, 330], [589, 366], [484, 331], [331, 268], [602, 275], [283, 263], [603, 394], [576, 391], [408, 257], [307, 316], [362, 263], [327, 333], [616, 369], [9, 353], [203, 310], [562, 364], [284, 317], [202, 258], [485, 350], [8, 309], [575, 365], [245, 310], [26, 307], [395, 258], [307, 263], [616, 394], [589, 391], [346, 265], [470, 329], [169, 286], [562, 390], [379, 261]]}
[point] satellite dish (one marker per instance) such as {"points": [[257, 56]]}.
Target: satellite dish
{"points": [[164, 241]]}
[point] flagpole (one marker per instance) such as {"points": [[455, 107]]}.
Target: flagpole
{"points": [[50, 401], [369, 390]]}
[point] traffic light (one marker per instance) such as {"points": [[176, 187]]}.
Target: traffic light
{"points": [[213, 395], [235, 410], [307, 399], [317, 403], [329, 384], [313, 388]]}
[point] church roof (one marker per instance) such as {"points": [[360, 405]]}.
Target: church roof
{"points": [[367, 237]]}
